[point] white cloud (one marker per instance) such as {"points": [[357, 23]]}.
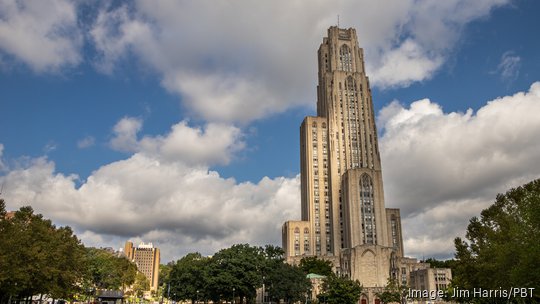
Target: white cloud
{"points": [[243, 60], [125, 134], [178, 207], [215, 144], [509, 66], [406, 64], [445, 167], [86, 142], [42, 34], [223, 97]]}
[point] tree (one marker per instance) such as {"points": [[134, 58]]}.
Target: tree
{"points": [[164, 272], [188, 278], [392, 292], [316, 266], [502, 247], [141, 285], [107, 271], [37, 257], [237, 267], [340, 290], [282, 281], [440, 264], [286, 282]]}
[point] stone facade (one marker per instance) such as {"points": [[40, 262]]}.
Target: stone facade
{"points": [[343, 213]]}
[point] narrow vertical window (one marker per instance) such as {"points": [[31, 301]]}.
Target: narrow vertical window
{"points": [[296, 241], [367, 208], [306, 241], [345, 60]]}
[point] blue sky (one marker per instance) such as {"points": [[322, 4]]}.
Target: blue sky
{"points": [[178, 122]]}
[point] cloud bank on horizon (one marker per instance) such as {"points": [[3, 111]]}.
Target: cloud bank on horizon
{"points": [[231, 63]]}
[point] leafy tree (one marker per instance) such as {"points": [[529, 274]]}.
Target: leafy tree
{"points": [[340, 290], [502, 247], [237, 267], [392, 292], [282, 281], [37, 257], [316, 266], [188, 278], [164, 272], [107, 271], [434, 263], [141, 285], [286, 282]]}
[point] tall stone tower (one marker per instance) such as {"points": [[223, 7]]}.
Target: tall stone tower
{"points": [[344, 218]]}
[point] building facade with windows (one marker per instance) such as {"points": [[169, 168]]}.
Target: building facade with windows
{"points": [[147, 259], [343, 213]]}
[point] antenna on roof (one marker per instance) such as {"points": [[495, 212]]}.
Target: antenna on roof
{"points": [[338, 20]]}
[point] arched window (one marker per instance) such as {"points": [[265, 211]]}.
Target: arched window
{"points": [[345, 60], [368, 209]]}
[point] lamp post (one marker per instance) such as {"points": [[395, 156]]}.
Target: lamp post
{"points": [[197, 296], [233, 294]]}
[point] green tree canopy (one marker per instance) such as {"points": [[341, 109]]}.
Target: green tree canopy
{"points": [[316, 266], [434, 263], [502, 248], [36, 257], [141, 284], [392, 292], [188, 278], [108, 271], [286, 282], [236, 271], [239, 267], [340, 290]]}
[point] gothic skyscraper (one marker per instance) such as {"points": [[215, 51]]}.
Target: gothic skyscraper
{"points": [[344, 219], [343, 209]]}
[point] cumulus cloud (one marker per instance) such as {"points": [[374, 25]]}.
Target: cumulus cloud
{"points": [[406, 64], [125, 134], [42, 34], [443, 168], [179, 207], [213, 144], [86, 142], [439, 168], [245, 60]]}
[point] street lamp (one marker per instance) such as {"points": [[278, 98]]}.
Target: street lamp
{"points": [[233, 295], [197, 296]]}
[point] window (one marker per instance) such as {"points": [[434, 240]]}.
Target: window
{"points": [[367, 214], [306, 240], [296, 241], [345, 60]]}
